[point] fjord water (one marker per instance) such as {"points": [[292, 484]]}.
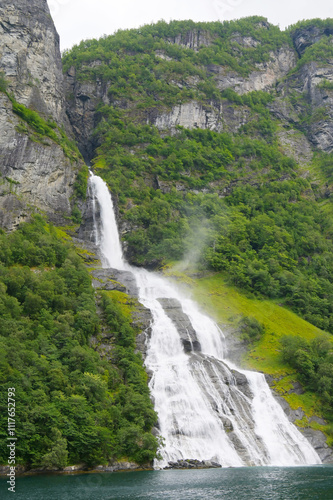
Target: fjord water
{"points": [[208, 409], [246, 483]]}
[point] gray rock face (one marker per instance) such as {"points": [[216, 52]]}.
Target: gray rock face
{"points": [[305, 37], [267, 73], [30, 56], [193, 39], [219, 117], [305, 85], [82, 101], [316, 438], [187, 334], [83, 97], [32, 173], [318, 441], [191, 115], [86, 231], [113, 279]]}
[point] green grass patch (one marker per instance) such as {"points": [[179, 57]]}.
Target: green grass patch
{"points": [[226, 304], [126, 303], [99, 163]]}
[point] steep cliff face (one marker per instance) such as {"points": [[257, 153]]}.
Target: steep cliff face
{"points": [[193, 39], [83, 99], [263, 77], [35, 172], [302, 93], [306, 99], [30, 56], [304, 37]]}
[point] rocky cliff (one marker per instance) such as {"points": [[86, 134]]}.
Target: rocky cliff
{"points": [[299, 89], [30, 56], [35, 171]]}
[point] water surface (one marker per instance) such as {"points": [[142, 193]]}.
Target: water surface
{"points": [[247, 483]]}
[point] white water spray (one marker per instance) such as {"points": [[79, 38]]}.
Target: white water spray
{"points": [[208, 409]]}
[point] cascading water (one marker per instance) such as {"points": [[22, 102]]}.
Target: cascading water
{"points": [[208, 409]]}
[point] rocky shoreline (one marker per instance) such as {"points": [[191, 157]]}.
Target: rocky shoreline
{"points": [[21, 470], [193, 464]]}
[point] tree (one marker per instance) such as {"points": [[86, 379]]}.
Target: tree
{"points": [[57, 457]]}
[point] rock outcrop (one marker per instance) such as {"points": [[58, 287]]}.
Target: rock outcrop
{"points": [[263, 78], [187, 334], [193, 464], [304, 94], [307, 36], [83, 97], [35, 171], [193, 39], [30, 56]]}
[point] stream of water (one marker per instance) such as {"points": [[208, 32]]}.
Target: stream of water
{"points": [[208, 409]]}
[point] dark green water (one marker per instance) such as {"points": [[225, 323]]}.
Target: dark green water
{"points": [[256, 483]]}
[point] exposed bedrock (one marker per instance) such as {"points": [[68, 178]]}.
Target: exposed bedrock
{"points": [[34, 172], [188, 336]]}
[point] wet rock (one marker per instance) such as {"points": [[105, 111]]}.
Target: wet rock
{"points": [[142, 319], [316, 438], [242, 383], [193, 464], [117, 466], [114, 279], [83, 99], [318, 441], [188, 335]]}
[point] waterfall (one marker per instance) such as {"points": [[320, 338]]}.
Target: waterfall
{"points": [[208, 409]]}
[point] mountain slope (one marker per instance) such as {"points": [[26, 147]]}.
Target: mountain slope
{"points": [[217, 132]]}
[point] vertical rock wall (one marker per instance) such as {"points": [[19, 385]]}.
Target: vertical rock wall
{"points": [[34, 172]]}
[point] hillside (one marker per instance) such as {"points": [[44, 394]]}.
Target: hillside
{"points": [[215, 140], [217, 136]]}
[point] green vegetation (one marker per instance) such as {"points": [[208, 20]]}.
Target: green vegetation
{"points": [[250, 329], [40, 127], [232, 205], [321, 51], [256, 233], [322, 24], [236, 194], [81, 182], [43, 128], [313, 362], [142, 66], [326, 85], [72, 406]]}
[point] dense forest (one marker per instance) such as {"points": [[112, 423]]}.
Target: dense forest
{"points": [[72, 406]]}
